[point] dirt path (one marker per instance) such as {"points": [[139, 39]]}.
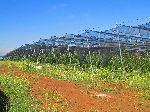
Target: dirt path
{"points": [[68, 97]]}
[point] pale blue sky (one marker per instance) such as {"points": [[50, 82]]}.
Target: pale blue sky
{"points": [[25, 21]]}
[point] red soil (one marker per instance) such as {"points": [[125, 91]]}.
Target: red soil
{"points": [[80, 99]]}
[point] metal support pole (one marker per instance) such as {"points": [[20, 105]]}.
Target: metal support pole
{"points": [[120, 51]]}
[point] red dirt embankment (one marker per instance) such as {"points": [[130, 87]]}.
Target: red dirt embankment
{"points": [[79, 99]]}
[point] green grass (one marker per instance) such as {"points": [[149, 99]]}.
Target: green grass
{"points": [[17, 91]]}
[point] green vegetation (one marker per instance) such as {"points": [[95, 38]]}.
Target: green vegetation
{"points": [[131, 61], [17, 91]]}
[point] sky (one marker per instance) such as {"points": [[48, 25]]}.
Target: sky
{"points": [[25, 21]]}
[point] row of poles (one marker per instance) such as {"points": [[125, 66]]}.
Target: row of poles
{"points": [[89, 52]]}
